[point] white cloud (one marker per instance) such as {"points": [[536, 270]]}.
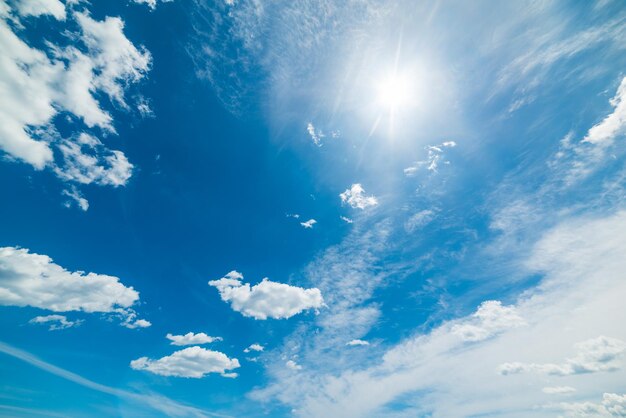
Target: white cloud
{"points": [[315, 134], [558, 390], [594, 355], [575, 161], [29, 279], [346, 219], [87, 161], [41, 7], [192, 339], [17, 111], [612, 405], [267, 299], [615, 123], [76, 198], [432, 161], [418, 220], [308, 224], [254, 347], [193, 362], [152, 4], [489, 319], [292, 365], [100, 62], [136, 323], [357, 342], [447, 374], [56, 322], [356, 198], [117, 60]]}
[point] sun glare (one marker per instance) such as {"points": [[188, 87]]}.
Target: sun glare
{"points": [[394, 92]]}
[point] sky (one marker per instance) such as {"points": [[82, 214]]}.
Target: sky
{"points": [[361, 208]]}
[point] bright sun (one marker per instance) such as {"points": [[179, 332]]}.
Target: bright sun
{"points": [[394, 92]]}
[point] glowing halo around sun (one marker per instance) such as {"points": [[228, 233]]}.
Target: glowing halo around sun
{"points": [[394, 100], [395, 92]]}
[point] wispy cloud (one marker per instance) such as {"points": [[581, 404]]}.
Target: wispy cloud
{"points": [[56, 322], [581, 261], [154, 401]]}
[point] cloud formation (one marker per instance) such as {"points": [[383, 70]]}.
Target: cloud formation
{"points": [[267, 299], [455, 364], [99, 63], [76, 198], [192, 362], [594, 355], [612, 405], [613, 124], [254, 347], [489, 319], [356, 198], [29, 279], [432, 161], [357, 342], [41, 7], [316, 135], [192, 339], [308, 224], [558, 390], [55, 322]]}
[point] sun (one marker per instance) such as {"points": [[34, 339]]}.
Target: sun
{"points": [[394, 92]]}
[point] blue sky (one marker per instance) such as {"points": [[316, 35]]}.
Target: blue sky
{"points": [[297, 208]]}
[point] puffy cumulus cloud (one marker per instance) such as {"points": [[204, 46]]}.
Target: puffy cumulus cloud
{"points": [[489, 319], [41, 7], [612, 405], [192, 339], [356, 198], [308, 224], [267, 299], [594, 355], [130, 320], [55, 322], [87, 161], [254, 347], [98, 62], [29, 279], [193, 362], [357, 342]]}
